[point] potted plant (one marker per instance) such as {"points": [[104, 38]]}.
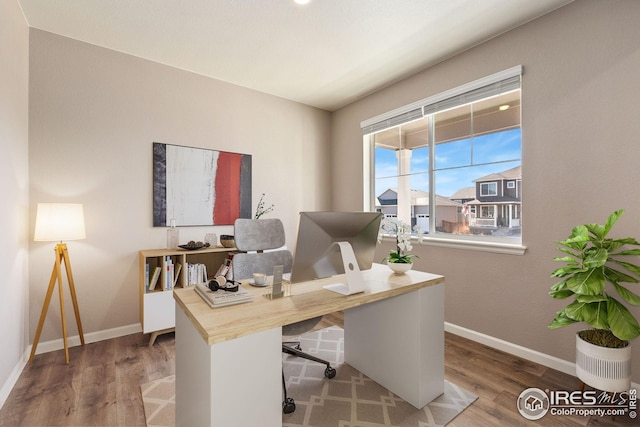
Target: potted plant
{"points": [[593, 273], [400, 261]]}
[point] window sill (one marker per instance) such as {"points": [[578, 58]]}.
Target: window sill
{"points": [[498, 247], [482, 246]]}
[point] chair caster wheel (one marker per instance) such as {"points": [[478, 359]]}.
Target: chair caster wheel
{"points": [[288, 406], [329, 372]]}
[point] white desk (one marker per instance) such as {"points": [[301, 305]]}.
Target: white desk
{"points": [[229, 360]]}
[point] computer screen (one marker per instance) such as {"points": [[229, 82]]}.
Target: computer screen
{"points": [[329, 241]]}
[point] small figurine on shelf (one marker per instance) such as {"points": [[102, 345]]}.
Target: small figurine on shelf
{"points": [[261, 210]]}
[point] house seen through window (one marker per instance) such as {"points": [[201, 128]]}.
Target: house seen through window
{"points": [[452, 166]]}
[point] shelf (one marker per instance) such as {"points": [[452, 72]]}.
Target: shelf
{"points": [[157, 307]]}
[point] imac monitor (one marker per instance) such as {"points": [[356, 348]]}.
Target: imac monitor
{"points": [[332, 243]]}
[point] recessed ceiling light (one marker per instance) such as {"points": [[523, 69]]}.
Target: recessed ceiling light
{"points": [[302, 1], [504, 107]]}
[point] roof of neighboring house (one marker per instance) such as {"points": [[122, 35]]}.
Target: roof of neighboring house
{"points": [[418, 198], [498, 201], [513, 173], [464, 193]]}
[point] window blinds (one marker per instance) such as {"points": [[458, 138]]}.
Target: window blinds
{"points": [[495, 84], [473, 95], [394, 121]]}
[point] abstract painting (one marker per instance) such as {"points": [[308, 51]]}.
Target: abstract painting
{"points": [[197, 186]]}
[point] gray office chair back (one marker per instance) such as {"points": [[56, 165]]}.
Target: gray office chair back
{"points": [[264, 235], [259, 235]]}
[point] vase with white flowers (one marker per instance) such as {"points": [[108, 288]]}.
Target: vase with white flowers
{"points": [[400, 260]]}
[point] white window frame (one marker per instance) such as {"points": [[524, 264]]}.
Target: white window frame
{"points": [[411, 112]]}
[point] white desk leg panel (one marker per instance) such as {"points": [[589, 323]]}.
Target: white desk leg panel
{"points": [[399, 343], [233, 383]]}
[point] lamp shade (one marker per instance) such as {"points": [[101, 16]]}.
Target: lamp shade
{"points": [[59, 222]]}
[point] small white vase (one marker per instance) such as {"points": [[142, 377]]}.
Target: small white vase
{"points": [[399, 267]]}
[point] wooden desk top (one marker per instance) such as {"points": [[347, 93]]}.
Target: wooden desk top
{"points": [[307, 300]]}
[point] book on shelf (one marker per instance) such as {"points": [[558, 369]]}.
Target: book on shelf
{"points": [[222, 298], [153, 281], [224, 268], [146, 277], [176, 274], [168, 278], [196, 273]]}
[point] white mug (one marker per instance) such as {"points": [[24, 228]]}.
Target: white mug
{"points": [[260, 279]]}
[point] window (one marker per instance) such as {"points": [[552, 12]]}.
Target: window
{"points": [[451, 163], [487, 211], [489, 189]]}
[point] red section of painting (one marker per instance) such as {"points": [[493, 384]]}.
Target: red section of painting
{"points": [[226, 208]]}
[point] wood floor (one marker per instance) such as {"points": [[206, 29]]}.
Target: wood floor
{"points": [[101, 384]]}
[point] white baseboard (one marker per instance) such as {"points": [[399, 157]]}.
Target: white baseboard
{"points": [[13, 378], [517, 350], [58, 344], [73, 341]]}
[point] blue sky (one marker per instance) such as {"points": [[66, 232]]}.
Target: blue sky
{"points": [[458, 163]]}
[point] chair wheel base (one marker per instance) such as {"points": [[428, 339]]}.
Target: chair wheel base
{"points": [[330, 372], [288, 406]]}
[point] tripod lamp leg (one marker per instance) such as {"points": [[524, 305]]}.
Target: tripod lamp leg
{"points": [[43, 314], [62, 255], [72, 288]]}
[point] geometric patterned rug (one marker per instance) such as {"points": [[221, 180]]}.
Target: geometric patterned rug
{"points": [[159, 399], [350, 399]]}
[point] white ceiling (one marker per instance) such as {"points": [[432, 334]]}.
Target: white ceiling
{"points": [[327, 53]]}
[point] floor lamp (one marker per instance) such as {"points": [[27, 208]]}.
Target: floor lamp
{"points": [[57, 222]]}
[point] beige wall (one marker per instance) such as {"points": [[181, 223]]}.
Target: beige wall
{"points": [[14, 143], [94, 114], [580, 161]]}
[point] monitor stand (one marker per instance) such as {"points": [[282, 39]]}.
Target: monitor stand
{"points": [[355, 282]]}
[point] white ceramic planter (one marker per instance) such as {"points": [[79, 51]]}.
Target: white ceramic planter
{"points": [[606, 369], [399, 268]]}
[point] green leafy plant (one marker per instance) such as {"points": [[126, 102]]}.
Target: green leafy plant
{"points": [[593, 260], [402, 232]]}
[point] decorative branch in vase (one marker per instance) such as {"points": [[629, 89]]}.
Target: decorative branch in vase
{"points": [[261, 209]]}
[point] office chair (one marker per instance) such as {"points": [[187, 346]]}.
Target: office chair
{"points": [[260, 235]]}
